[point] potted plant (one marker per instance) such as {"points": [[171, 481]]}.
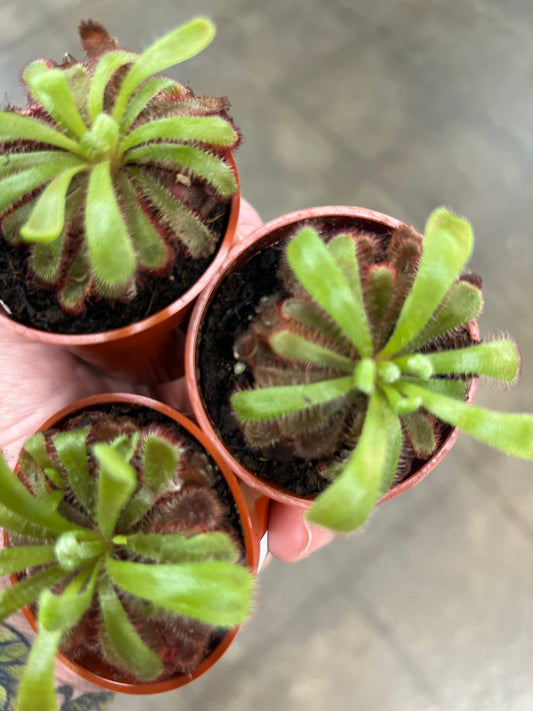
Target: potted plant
{"points": [[131, 544], [119, 198], [346, 346]]}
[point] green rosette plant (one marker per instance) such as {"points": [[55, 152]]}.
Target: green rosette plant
{"points": [[123, 549], [365, 355], [113, 173]]}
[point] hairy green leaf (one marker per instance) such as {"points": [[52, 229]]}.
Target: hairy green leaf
{"points": [[448, 242], [51, 89], [177, 157], [15, 496], [38, 679], [207, 129], [121, 640], [144, 94], [497, 359], [294, 347], [14, 126], [268, 403], [509, 432], [347, 503], [182, 43], [20, 184], [318, 272], [14, 559], [175, 548], [77, 283], [462, 303], [116, 483], [106, 67], [215, 592], [26, 591], [113, 260], [189, 229], [47, 219], [71, 448], [59, 613]]}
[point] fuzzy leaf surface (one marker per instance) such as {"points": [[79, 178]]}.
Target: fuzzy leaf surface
{"points": [[496, 359], [182, 43], [347, 503], [175, 548], [26, 591], [206, 129], [448, 242], [215, 592], [106, 67], [269, 403], [14, 126], [12, 560], [318, 272], [509, 432], [116, 483]]}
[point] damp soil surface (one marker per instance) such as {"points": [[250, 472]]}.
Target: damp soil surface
{"points": [[233, 307], [34, 304]]}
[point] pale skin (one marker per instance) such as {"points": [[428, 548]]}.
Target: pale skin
{"points": [[36, 380]]}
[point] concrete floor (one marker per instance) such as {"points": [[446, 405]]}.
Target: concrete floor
{"points": [[398, 106]]}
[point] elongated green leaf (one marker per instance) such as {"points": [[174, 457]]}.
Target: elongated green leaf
{"points": [[14, 126], [180, 44], [174, 548], [106, 67], [319, 273], [11, 163], [18, 524], [207, 129], [451, 387], [462, 303], [110, 249], [116, 484], [14, 559], [216, 592], [58, 613], [72, 553], [125, 642], [47, 219], [497, 359], [38, 679], [176, 157], [509, 432], [71, 448], [268, 403], [294, 347], [160, 464], [448, 242], [150, 247], [126, 444], [77, 283], [26, 591], [349, 500], [20, 184], [15, 496], [347, 503], [189, 229], [144, 94], [51, 89]]}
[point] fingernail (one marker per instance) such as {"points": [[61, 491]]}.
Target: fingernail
{"points": [[245, 230], [305, 550]]}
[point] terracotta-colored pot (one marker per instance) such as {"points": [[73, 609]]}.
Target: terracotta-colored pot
{"points": [[343, 218], [148, 350], [253, 520]]}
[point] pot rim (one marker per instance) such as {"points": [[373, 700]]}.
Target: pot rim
{"points": [[110, 681], [173, 313], [264, 237]]}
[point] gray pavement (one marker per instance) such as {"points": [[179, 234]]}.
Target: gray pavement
{"points": [[399, 106]]}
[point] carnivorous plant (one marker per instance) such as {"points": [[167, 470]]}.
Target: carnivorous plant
{"points": [[125, 552], [365, 354], [96, 174]]}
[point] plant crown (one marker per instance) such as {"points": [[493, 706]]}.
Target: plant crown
{"points": [[95, 175], [118, 542], [363, 356]]}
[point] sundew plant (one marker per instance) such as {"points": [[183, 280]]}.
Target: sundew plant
{"points": [[366, 358], [126, 557], [94, 173]]}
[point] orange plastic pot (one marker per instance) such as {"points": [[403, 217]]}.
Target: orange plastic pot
{"points": [[343, 218], [253, 520], [148, 350]]}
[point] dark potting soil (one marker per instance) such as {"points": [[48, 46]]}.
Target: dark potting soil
{"points": [[37, 306], [229, 315]]}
